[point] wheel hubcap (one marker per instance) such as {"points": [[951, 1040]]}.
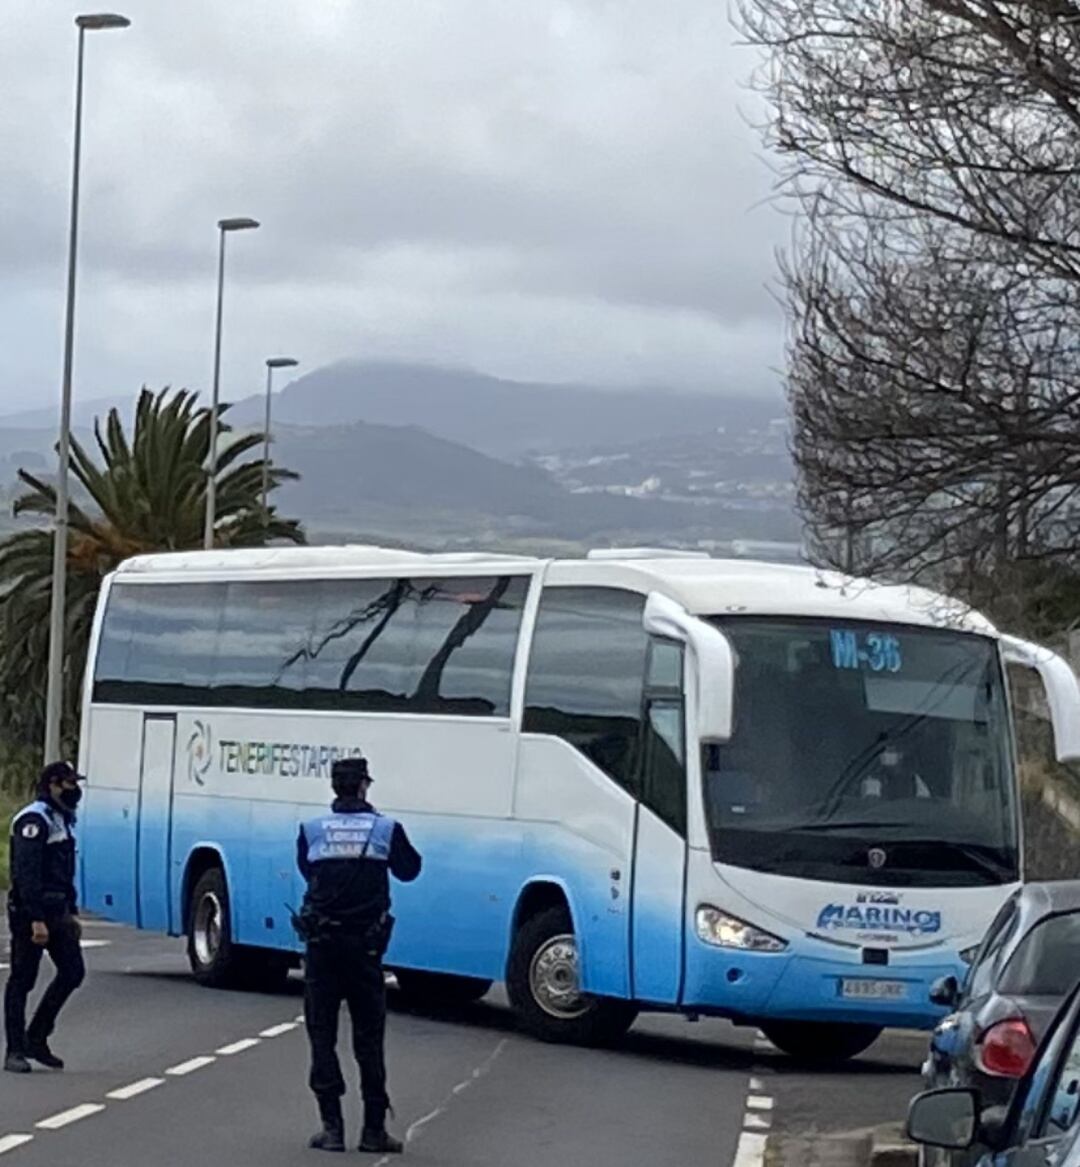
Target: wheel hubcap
{"points": [[554, 981], [206, 932]]}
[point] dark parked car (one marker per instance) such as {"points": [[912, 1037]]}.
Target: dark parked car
{"points": [[1039, 1128], [1027, 963]]}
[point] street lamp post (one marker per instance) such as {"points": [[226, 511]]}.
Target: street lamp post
{"points": [[54, 699], [272, 364], [224, 227]]}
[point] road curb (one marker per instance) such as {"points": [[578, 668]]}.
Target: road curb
{"points": [[889, 1148]]}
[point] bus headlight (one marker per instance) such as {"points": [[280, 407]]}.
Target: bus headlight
{"points": [[725, 931]]}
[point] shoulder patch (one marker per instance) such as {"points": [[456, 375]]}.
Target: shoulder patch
{"points": [[30, 830]]}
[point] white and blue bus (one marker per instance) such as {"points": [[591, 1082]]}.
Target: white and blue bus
{"points": [[639, 780]]}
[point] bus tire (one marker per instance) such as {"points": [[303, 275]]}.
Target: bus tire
{"points": [[215, 961], [439, 989], [542, 983], [820, 1042]]}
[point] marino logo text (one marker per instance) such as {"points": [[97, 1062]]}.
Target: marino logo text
{"points": [[887, 917]]}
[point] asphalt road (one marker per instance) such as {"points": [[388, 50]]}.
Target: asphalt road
{"points": [[163, 1072]]}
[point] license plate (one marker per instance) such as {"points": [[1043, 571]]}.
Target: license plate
{"points": [[865, 990]]}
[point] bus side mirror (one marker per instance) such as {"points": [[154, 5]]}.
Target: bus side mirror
{"points": [[714, 663], [1062, 691]]}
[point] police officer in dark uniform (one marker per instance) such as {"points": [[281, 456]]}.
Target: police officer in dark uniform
{"points": [[346, 857], [42, 911]]}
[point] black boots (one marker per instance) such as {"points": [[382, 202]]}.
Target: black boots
{"points": [[16, 1064], [380, 1142], [332, 1136], [39, 1052], [374, 1138]]}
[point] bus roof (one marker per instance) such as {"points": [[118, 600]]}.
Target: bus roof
{"points": [[703, 585]]}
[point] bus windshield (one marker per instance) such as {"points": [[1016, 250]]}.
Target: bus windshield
{"points": [[865, 754]]}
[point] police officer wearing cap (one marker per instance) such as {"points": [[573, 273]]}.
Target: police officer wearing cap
{"points": [[347, 857], [42, 911]]}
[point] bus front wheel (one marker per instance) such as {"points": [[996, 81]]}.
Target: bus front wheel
{"points": [[820, 1041], [543, 984]]}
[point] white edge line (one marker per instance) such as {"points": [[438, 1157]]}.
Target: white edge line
{"points": [[237, 1047], [67, 1117], [10, 1142], [190, 1066], [751, 1150], [123, 1093]]}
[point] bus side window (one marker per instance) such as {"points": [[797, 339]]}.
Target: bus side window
{"points": [[663, 787], [586, 675]]}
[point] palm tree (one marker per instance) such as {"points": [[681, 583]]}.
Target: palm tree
{"points": [[148, 494]]}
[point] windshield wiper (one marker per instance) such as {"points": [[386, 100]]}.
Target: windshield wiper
{"points": [[976, 856], [819, 826]]}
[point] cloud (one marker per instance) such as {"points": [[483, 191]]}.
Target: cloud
{"points": [[541, 188]]}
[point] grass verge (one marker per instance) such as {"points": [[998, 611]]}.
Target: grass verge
{"points": [[8, 806]]}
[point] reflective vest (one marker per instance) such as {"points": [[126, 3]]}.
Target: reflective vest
{"points": [[362, 835], [59, 829]]}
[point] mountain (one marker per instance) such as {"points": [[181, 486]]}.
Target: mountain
{"points": [[420, 484], [83, 414], [506, 419]]}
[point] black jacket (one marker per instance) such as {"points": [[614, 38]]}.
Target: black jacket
{"points": [[356, 892], [43, 863]]}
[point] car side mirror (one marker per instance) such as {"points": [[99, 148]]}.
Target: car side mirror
{"points": [[944, 1118], [945, 991]]}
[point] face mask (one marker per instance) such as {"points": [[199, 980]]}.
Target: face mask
{"points": [[69, 799]]}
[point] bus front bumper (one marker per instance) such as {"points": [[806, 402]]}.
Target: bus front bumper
{"points": [[816, 985]]}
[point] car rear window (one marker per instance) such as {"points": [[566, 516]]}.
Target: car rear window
{"points": [[1046, 962]]}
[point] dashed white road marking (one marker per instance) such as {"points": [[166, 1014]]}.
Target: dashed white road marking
{"points": [[67, 1117], [757, 1122], [237, 1047], [190, 1066], [278, 1030], [94, 943], [135, 1089], [3, 966], [750, 1151], [759, 1102], [756, 1086], [10, 1142]]}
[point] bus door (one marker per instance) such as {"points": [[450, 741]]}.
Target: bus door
{"points": [[659, 889], [153, 833]]}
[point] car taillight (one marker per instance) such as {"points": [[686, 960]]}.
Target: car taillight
{"points": [[1006, 1049]]}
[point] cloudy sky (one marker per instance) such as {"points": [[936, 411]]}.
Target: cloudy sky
{"points": [[550, 189]]}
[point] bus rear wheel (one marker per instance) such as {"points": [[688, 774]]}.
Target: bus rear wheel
{"points": [[820, 1042], [212, 955], [439, 989], [215, 960], [543, 984]]}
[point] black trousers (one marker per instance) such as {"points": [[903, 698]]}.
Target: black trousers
{"points": [[65, 953], [336, 970]]}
